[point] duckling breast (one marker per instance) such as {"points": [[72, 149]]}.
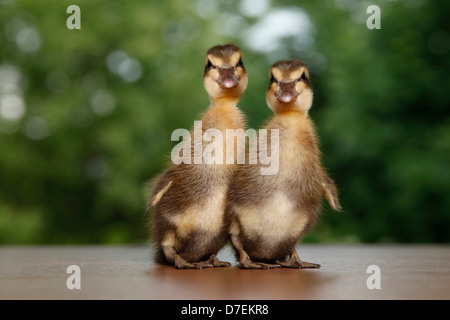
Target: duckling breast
{"points": [[273, 222]]}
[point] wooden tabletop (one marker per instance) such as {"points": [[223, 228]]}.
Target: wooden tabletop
{"points": [[128, 272]]}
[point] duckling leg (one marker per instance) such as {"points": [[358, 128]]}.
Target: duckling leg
{"points": [[171, 256], [244, 260], [296, 263]]}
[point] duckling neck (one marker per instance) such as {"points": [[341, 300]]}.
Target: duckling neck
{"points": [[223, 114], [298, 136], [293, 117], [224, 103], [295, 122]]}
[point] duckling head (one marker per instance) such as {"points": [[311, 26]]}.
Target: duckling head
{"points": [[225, 75], [289, 87]]}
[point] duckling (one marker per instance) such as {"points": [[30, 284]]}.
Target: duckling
{"points": [[189, 199], [268, 214]]}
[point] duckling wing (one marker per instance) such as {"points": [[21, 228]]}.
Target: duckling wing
{"points": [[161, 185], [331, 193]]}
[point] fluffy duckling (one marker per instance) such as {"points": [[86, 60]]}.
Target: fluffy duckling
{"points": [[268, 214], [189, 199]]}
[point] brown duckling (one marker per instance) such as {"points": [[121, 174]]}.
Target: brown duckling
{"points": [[268, 214], [189, 198]]}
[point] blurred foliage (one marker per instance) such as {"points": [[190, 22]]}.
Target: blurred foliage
{"points": [[86, 115]]}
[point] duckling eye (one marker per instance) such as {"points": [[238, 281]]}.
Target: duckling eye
{"points": [[303, 78], [240, 64], [272, 79], [208, 66]]}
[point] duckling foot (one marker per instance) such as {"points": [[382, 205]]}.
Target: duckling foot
{"points": [[180, 263], [246, 263], [203, 264], [296, 263], [217, 263]]}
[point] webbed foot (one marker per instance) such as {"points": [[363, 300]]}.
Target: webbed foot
{"points": [[246, 263], [296, 263]]}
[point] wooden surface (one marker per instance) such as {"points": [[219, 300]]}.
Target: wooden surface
{"points": [[128, 272]]}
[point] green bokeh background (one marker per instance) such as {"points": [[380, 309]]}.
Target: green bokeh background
{"points": [[86, 115]]}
